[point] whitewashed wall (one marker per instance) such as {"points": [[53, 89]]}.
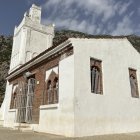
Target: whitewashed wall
{"points": [[115, 111], [15, 51], [59, 118], [4, 110], [10, 118], [38, 42]]}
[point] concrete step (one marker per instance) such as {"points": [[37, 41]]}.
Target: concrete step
{"points": [[23, 127], [26, 130]]}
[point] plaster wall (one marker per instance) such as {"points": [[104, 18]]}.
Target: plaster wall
{"points": [[59, 118], [27, 44], [10, 117], [15, 51], [115, 111], [4, 110], [36, 46], [16, 43]]}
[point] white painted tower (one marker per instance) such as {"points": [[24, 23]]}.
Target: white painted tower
{"points": [[30, 38]]}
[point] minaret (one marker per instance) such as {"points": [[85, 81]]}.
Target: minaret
{"points": [[35, 13], [30, 38]]}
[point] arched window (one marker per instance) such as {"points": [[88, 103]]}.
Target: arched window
{"points": [[133, 83], [52, 88], [95, 79], [15, 100], [14, 97], [28, 56], [55, 90], [96, 76], [49, 92]]}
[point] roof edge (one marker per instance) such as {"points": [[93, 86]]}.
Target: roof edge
{"points": [[47, 53]]}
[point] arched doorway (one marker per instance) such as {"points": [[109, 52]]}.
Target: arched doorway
{"points": [[25, 98]]}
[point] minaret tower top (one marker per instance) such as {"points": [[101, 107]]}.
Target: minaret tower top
{"points": [[35, 13], [31, 38]]}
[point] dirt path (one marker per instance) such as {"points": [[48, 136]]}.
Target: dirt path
{"points": [[7, 134]]}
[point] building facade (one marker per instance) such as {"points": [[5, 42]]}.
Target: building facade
{"points": [[77, 87]]}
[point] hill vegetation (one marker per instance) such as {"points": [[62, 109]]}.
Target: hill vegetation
{"points": [[5, 54]]}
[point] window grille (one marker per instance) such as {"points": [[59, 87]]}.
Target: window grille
{"points": [[96, 76], [52, 89], [14, 97], [25, 96], [133, 83], [55, 88], [49, 92]]}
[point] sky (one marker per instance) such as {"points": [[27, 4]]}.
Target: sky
{"points": [[114, 17]]}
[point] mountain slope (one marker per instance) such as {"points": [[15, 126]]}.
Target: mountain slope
{"points": [[5, 54]]}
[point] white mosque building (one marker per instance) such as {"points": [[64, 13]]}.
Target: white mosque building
{"points": [[78, 87]]}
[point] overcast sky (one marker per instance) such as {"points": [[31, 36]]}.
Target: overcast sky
{"points": [[115, 17]]}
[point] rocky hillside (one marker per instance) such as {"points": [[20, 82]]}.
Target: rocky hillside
{"points": [[5, 54], [134, 40], [6, 47]]}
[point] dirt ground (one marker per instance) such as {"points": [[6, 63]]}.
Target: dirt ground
{"points": [[8, 134]]}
